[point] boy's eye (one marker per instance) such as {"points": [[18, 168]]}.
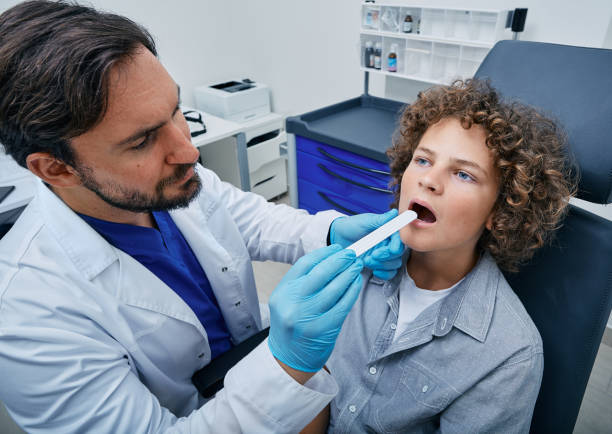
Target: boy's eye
{"points": [[421, 161], [465, 176]]}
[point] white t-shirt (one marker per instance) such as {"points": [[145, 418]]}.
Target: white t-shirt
{"points": [[414, 300]]}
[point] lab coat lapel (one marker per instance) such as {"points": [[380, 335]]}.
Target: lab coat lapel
{"points": [[92, 255], [141, 288]]}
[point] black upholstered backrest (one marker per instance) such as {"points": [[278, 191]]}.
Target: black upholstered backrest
{"points": [[566, 287]]}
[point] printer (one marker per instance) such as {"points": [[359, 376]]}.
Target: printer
{"points": [[234, 100]]}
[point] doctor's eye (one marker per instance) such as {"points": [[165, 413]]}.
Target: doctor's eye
{"points": [[147, 140]]}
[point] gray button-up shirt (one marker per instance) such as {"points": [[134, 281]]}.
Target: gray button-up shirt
{"points": [[470, 363]]}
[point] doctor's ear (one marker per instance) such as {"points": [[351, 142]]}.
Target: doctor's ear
{"points": [[51, 170]]}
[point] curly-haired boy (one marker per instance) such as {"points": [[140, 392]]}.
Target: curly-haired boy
{"points": [[446, 345]]}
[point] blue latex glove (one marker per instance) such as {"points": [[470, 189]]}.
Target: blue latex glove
{"points": [[309, 305], [385, 258]]}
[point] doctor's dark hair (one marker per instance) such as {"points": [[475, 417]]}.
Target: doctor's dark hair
{"points": [[55, 59], [529, 153]]}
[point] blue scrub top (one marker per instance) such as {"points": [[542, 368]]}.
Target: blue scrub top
{"points": [[167, 255]]}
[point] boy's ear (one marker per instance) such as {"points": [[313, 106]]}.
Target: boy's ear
{"points": [[489, 221], [51, 170]]}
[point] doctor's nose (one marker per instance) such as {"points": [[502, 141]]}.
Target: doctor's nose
{"points": [[180, 150]]}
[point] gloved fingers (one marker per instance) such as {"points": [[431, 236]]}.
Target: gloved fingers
{"points": [[384, 218], [341, 309], [385, 274], [346, 230], [307, 262], [335, 289], [392, 247], [396, 246], [333, 229], [388, 265], [380, 251], [370, 221], [325, 271], [374, 221]]}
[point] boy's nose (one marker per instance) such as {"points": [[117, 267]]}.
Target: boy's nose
{"points": [[430, 183]]}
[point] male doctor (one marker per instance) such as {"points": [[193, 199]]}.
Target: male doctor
{"points": [[130, 269]]}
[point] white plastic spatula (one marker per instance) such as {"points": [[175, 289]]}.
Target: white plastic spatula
{"points": [[370, 240]]}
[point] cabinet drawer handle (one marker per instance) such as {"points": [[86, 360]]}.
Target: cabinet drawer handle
{"points": [[335, 204], [347, 163], [265, 180], [350, 181]]}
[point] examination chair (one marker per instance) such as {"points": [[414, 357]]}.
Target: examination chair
{"points": [[566, 287]]}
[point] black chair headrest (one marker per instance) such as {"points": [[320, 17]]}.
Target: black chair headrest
{"points": [[578, 94]]}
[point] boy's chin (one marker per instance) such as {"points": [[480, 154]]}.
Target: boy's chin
{"points": [[405, 236]]}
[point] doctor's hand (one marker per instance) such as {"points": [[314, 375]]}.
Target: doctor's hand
{"points": [[385, 258], [309, 305]]}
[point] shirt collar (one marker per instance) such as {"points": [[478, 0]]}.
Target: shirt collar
{"points": [[474, 306], [469, 307]]}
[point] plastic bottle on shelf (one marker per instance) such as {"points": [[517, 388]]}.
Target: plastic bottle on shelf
{"points": [[392, 61], [377, 55], [368, 56], [407, 25]]}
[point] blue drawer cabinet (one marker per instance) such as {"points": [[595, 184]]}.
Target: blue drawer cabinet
{"points": [[340, 155], [361, 183]]}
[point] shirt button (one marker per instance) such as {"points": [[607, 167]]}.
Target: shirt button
{"points": [[393, 326], [372, 370], [224, 269], [352, 408], [443, 323], [425, 388]]}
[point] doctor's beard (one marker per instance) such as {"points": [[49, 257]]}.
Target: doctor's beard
{"points": [[123, 197]]}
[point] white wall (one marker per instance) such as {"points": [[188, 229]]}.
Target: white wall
{"points": [[307, 51]]}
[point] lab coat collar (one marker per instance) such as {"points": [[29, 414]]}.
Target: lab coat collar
{"points": [[91, 254], [89, 251]]}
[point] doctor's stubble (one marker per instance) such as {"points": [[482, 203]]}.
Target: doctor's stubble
{"points": [[126, 198]]}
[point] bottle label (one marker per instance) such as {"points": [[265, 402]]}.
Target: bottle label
{"points": [[393, 65], [407, 27], [377, 62]]}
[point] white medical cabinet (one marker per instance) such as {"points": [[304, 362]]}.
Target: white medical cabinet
{"points": [[265, 138], [442, 44]]}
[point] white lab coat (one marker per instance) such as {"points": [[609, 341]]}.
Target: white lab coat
{"points": [[91, 341]]}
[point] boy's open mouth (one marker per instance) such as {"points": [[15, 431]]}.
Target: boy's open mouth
{"points": [[423, 213]]}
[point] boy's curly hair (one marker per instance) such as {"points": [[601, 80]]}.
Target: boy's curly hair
{"points": [[536, 178]]}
